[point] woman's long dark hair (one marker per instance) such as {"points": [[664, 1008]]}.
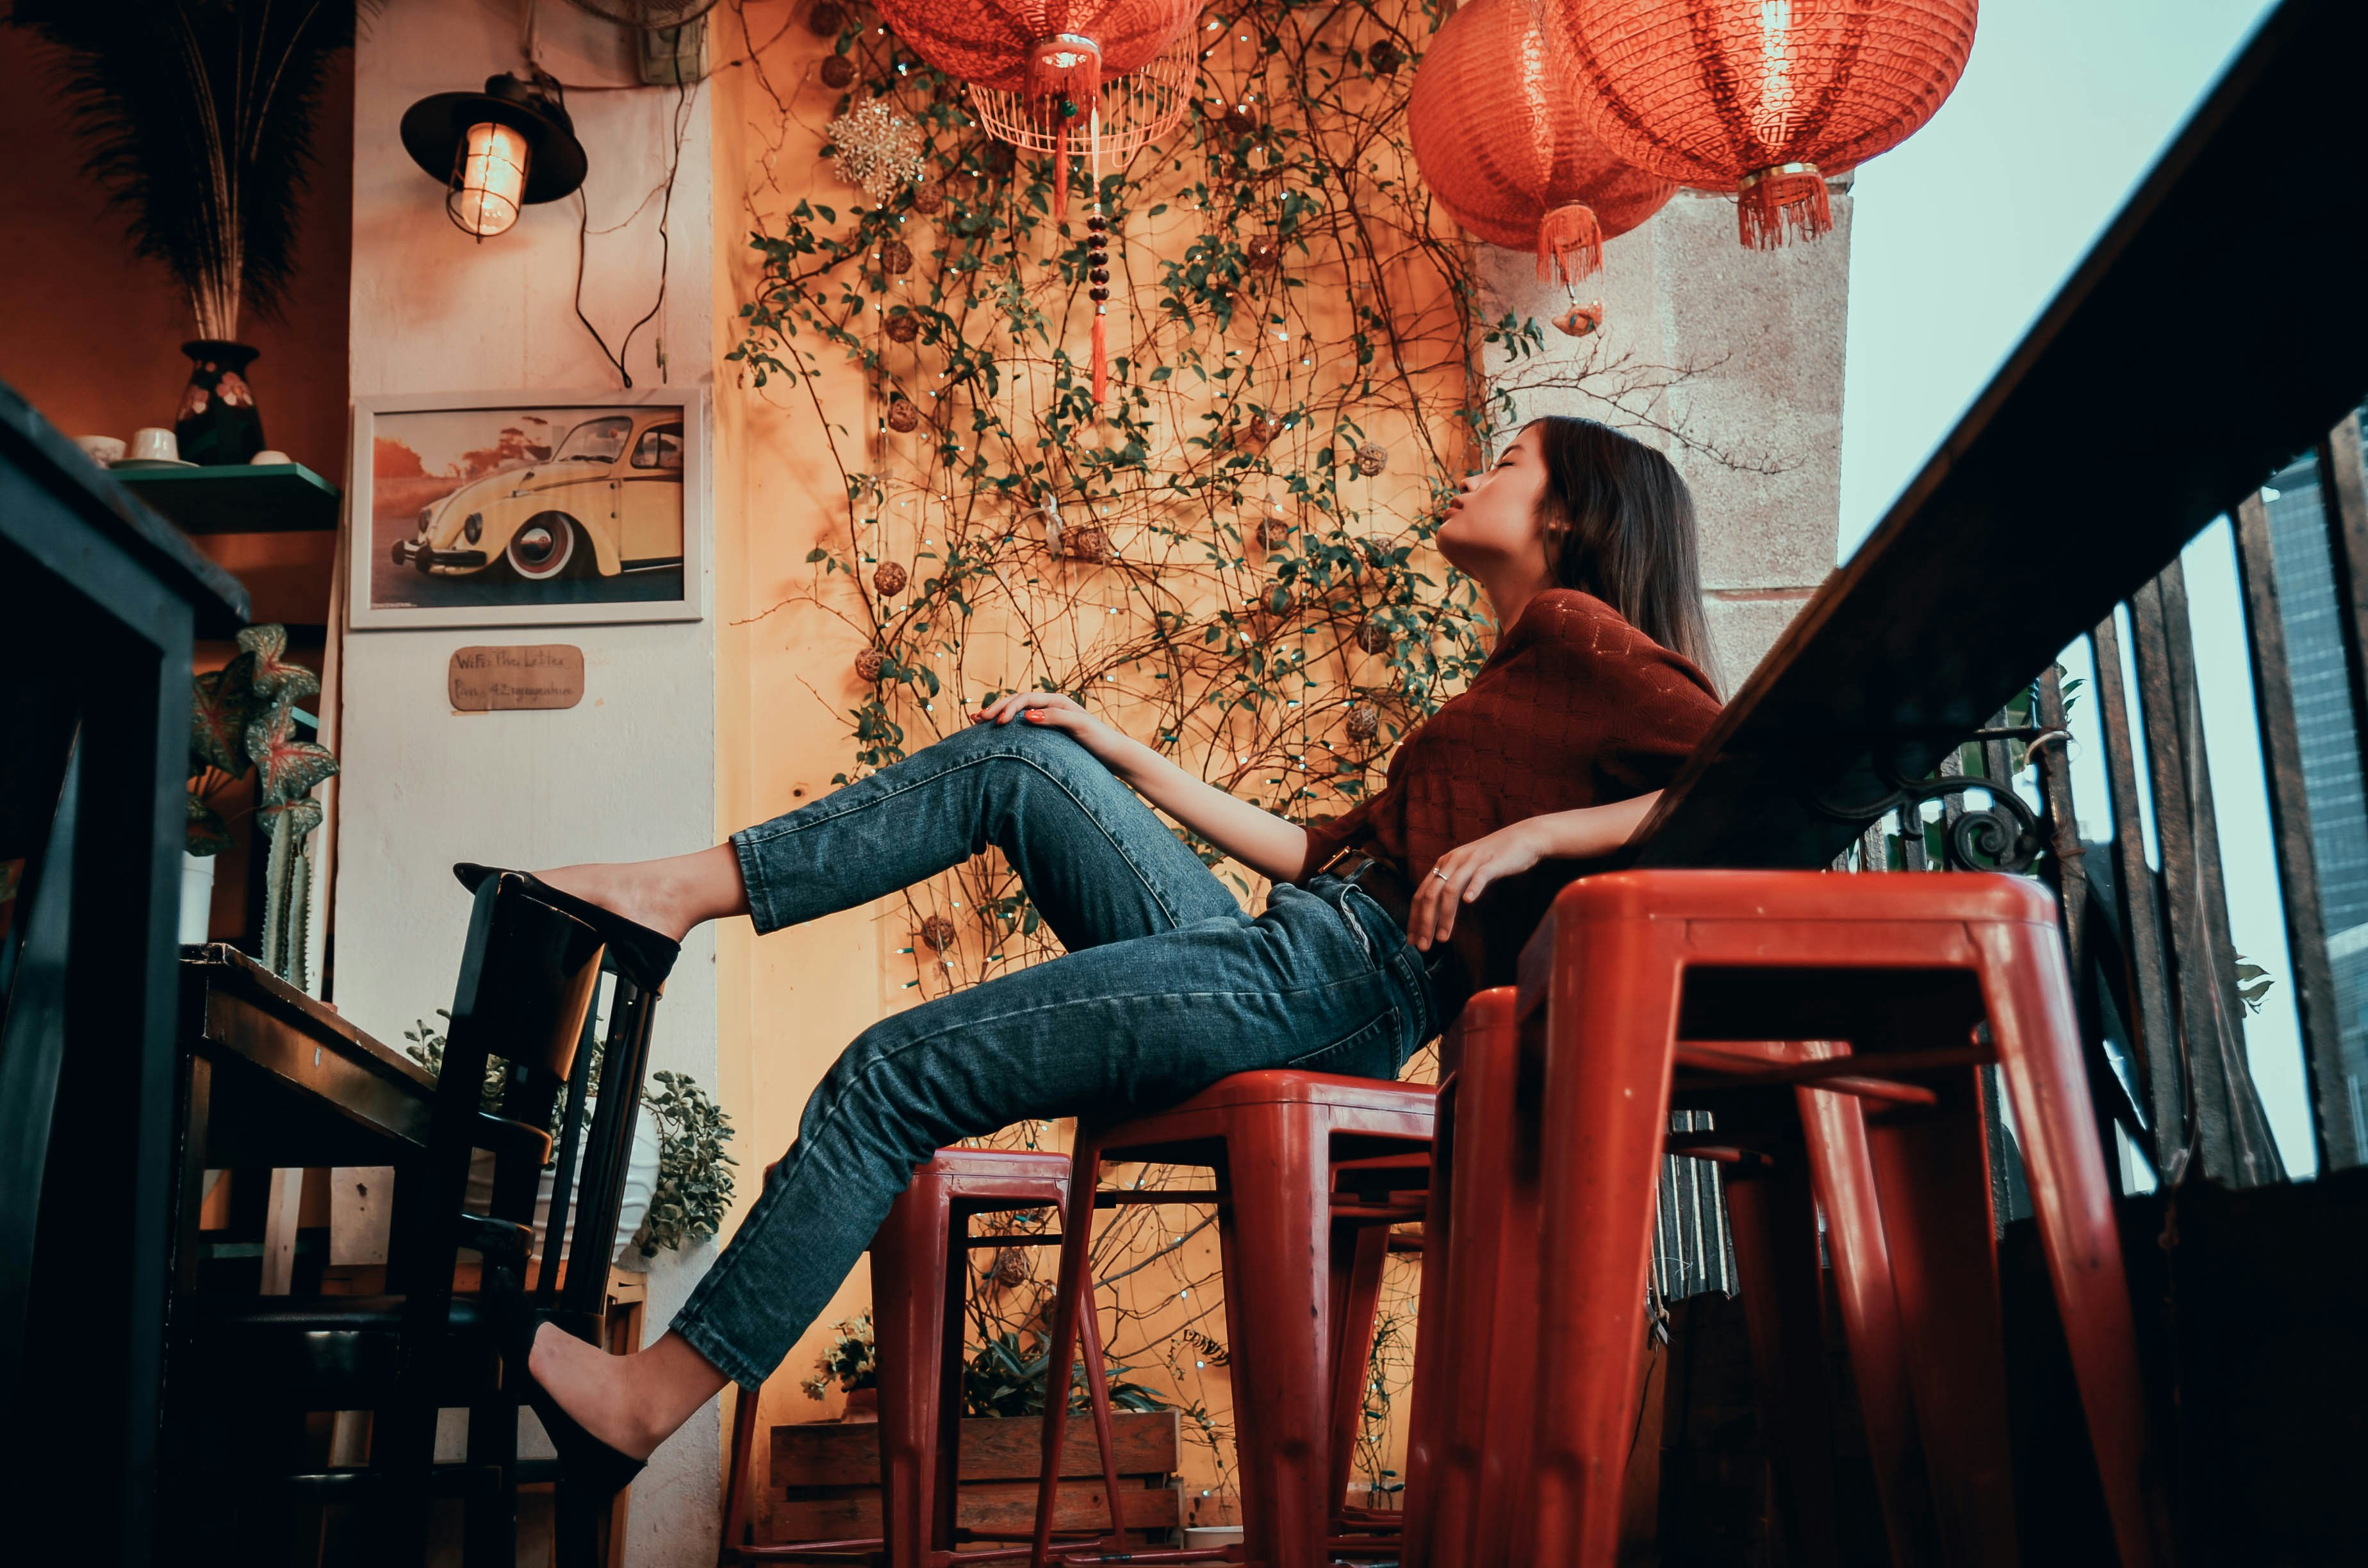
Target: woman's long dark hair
{"points": [[1628, 532]]}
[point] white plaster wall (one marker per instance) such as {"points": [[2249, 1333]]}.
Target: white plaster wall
{"points": [[1739, 354], [631, 771]]}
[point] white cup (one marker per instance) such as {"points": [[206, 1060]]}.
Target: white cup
{"points": [[101, 449], [269, 456], [152, 444]]}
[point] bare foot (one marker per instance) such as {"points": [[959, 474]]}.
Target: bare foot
{"points": [[592, 1386], [669, 896], [631, 1402]]}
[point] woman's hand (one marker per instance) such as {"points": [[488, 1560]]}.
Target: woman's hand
{"points": [[1053, 711], [1585, 833], [1465, 871]]}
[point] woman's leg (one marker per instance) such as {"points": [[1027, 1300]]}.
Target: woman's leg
{"points": [[1096, 861], [1321, 981]]}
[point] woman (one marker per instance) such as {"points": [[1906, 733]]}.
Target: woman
{"points": [[1583, 540]]}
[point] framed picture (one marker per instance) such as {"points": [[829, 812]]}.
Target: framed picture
{"points": [[530, 508]]}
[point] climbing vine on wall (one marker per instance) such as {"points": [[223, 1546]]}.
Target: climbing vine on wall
{"points": [[1231, 558]]}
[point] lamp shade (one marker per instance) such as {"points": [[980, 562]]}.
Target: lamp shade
{"points": [[508, 147], [1763, 97], [1497, 134]]}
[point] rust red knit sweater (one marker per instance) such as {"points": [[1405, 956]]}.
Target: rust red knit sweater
{"points": [[1575, 708]]}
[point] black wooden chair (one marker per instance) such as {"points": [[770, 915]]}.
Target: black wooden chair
{"points": [[246, 1371]]}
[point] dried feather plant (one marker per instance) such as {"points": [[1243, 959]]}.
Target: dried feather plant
{"points": [[200, 118]]}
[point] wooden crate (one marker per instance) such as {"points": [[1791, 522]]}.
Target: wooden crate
{"points": [[825, 1478]]}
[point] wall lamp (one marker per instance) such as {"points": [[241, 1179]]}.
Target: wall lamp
{"points": [[508, 147]]}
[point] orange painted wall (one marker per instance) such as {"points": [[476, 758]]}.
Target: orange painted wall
{"points": [[90, 333]]}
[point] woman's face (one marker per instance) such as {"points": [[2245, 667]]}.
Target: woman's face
{"points": [[1493, 530]]}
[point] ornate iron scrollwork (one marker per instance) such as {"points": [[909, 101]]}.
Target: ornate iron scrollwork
{"points": [[2001, 836]]}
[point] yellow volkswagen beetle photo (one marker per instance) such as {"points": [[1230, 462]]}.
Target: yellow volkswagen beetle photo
{"points": [[607, 500]]}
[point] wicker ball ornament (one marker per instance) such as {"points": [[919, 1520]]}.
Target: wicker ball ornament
{"points": [[1363, 723], [837, 72], [1240, 118], [1264, 251], [1274, 525], [1765, 100], [1086, 544], [1371, 459], [825, 18], [868, 663], [1385, 58], [889, 577], [902, 329], [1373, 637], [930, 198], [1501, 142], [902, 417], [895, 258], [938, 933]]}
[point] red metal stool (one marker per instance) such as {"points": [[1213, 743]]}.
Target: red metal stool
{"points": [[1903, 969], [918, 1274], [1465, 1483], [1278, 1141]]}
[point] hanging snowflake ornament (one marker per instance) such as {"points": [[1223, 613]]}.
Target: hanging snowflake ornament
{"points": [[876, 150]]}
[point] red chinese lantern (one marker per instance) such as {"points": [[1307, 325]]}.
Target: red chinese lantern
{"points": [[1052, 58], [1762, 98], [1496, 131]]}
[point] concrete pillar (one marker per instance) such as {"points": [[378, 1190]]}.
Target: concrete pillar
{"points": [[1728, 360]]}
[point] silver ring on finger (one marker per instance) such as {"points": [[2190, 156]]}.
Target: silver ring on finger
{"points": [[1442, 876]]}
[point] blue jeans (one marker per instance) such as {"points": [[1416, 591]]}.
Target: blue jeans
{"points": [[1165, 988]]}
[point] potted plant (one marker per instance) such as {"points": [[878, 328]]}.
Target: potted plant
{"points": [[200, 120], [677, 1178], [243, 719], [852, 1361]]}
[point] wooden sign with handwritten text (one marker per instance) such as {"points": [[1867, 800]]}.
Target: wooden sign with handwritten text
{"points": [[549, 675]]}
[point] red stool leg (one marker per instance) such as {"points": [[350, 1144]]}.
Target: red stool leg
{"points": [[1367, 1248], [1773, 1219], [1611, 1038], [1844, 1172], [1931, 1171], [2037, 1031], [1071, 1295], [1089, 1335], [1278, 1173], [1426, 1428], [915, 1302]]}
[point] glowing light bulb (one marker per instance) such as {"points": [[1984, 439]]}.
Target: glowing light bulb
{"points": [[488, 180]]}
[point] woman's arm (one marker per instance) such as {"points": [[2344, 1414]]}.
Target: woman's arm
{"points": [[1260, 840], [1462, 873]]}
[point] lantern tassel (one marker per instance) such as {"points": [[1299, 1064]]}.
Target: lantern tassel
{"points": [[1570, 245], [1782, 204], [1101, 354], [1060, 174]]}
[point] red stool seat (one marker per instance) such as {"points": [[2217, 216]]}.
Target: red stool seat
{"points": [[1902, 987], [1283, 1145], [918, 1273]]}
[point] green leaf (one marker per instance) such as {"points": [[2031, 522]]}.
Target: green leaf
{"points": [[274, 676], [287, 768], [222, 704]]}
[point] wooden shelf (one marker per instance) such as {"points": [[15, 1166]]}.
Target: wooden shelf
{"points": [[238, 498]]}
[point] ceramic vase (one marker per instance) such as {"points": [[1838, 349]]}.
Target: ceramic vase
{"points": [[218, 422]]}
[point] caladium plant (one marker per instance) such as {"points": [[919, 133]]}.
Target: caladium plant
{"points": [[243, 717]]}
